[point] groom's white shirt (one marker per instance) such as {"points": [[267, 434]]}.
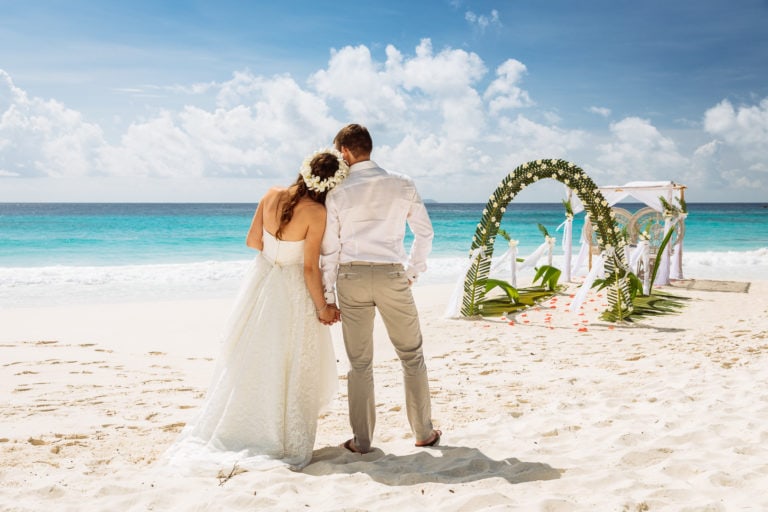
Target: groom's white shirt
{"points": [[367, 215]]}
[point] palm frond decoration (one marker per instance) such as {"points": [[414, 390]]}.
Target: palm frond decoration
{"points": [[568, 208], [660, 303], [518, 299]]}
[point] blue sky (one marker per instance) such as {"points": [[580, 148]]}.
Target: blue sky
{"points": [[216, 101]]}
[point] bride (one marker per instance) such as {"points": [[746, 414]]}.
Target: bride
{"points": [[276, 369]]}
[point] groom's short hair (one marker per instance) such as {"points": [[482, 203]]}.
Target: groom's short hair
{"points": [[355, 138]]}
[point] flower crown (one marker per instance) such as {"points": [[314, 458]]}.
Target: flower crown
{"points": [[314, 182]]}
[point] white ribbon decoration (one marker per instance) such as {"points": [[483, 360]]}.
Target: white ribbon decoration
{"points": [[453, 309], [567, 248], [551, 241], [597, 269], [642, 253], [537, 254], [513, 264], [511, 254], [662, 275], [676, 268]]}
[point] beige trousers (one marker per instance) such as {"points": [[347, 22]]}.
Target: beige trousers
{"points": [[362, 288]]}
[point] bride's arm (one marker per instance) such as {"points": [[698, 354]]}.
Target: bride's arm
{"points": [[312, 274], [255, 237]]}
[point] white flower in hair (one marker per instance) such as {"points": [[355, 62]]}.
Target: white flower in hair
{"points": [[323, 185]]}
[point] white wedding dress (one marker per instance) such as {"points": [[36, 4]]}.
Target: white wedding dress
{"points": [[275, 373]]}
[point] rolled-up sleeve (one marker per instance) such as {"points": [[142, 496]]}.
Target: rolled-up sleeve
{"points": [[421, 226]]}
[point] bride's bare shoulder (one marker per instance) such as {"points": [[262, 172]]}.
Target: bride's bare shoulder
{"points": [[274, 192], [310, 211]]}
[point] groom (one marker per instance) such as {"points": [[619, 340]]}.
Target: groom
{"points": [[362, 257]]}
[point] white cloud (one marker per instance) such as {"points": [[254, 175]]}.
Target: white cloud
{"points": [[43, 137], [743, 132], [538, 140], [366, 89], [483, 21], [745, 126], [157, 148], [412, 95], [434, 114], [504, 93], [601, 111], [638, 151]]}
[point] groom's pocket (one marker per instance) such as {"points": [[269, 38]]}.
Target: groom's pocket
{"points": [[348, 276]]}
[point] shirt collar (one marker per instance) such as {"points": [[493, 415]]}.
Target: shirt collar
{"points": [[365, 164]]}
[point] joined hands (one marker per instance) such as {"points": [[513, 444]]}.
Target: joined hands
{"points": [[329, 315]]}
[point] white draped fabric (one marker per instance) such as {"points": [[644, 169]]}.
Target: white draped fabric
{"points": [[647, 192], [546, 247], [596, 270], [662, 277], [637, 254], [453, 309], [676, 265], [567, 248]]}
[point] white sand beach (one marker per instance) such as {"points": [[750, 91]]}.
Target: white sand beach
{"points": [[549, 411]]}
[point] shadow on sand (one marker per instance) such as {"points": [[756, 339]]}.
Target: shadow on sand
{"points": [[452, 465]]}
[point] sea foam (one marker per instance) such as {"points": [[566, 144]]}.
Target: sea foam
{"points": [[52, 285]]}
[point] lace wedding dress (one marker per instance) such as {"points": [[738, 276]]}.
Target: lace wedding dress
{"points": [[275, 373]]}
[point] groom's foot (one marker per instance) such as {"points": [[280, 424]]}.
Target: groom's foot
{"points": [[350, 445], [432, 440]]}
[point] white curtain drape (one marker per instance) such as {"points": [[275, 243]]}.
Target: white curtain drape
{"points": [[567, 248], [453, 309], [581, 294]]}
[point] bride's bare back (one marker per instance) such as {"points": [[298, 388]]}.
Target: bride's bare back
{"points": [[306, 213], [308, 224]]}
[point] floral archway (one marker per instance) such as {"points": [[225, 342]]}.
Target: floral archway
{"points": [[608, 234]]}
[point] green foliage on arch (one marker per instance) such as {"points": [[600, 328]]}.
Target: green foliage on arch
{"points": [[598, 209]]}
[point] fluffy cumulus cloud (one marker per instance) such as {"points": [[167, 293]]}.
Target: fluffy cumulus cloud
{"points": [[638, 150], [413, 95], [505, 92], [739, 151], [440, 115], [43, 137]]}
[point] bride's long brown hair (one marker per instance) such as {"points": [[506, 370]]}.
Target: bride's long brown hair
{"points": [[324, 165]]}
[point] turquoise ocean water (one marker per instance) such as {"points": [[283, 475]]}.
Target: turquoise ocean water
{"points": [[56, 252]]}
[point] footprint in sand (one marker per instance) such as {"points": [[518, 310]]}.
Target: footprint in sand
{"points": [[646, 458]]}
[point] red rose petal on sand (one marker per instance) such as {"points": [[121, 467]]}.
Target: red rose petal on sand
{"points": [[583, 329]]}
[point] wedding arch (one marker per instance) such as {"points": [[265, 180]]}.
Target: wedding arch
{"points": [[611, 244]]}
